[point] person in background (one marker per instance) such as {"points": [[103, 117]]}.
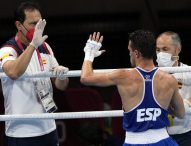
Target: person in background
{"points": [[168, 49], [24, 54], [147, 93]]}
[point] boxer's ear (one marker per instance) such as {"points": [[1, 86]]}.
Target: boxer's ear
{"points": [[137, 54]]}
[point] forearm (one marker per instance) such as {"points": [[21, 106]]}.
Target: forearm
{"points": [[61, 84], [16, 68], [87, 70], [178, 112], [89, 77], [92, 50]]}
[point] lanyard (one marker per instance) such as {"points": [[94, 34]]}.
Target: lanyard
{"points": [[38, 53]]}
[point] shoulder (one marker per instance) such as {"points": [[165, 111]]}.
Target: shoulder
{"points": [[121, 74], [8, 49], [169, 78], [49, 48]]}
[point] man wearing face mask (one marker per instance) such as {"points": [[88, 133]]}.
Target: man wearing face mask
{"points": [[27, 53], [168, 49]]}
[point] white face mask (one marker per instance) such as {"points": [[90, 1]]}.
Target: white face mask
{"points": [[165, 59]]}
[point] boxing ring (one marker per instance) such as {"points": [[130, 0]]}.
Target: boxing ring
{"points": [[85, 114]]}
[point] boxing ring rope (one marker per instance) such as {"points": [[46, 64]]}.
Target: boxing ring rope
{"points": [[68, 115], [85, 114], [65, 115], [76, 73]]}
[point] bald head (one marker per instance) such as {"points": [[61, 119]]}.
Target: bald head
{"points": [[169, 42]]}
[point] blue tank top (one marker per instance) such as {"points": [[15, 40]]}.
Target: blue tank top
{"points": [[148, 114]]}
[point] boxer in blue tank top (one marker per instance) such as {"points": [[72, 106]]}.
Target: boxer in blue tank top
{"points": [[147, 93], [148, 114]]}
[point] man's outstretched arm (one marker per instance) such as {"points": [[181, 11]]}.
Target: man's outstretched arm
{"points": [[88, 77]]}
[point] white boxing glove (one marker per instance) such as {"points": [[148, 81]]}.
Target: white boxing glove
{"points": [[60, 72], [92, 50], [38, 39]]}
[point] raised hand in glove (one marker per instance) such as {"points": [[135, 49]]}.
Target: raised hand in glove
{"points": [[38, 39], [59, 72], [93, 46]]}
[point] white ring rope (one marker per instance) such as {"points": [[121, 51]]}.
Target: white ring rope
{"points": [[66, 115], [76, 73], [75, 115]]}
